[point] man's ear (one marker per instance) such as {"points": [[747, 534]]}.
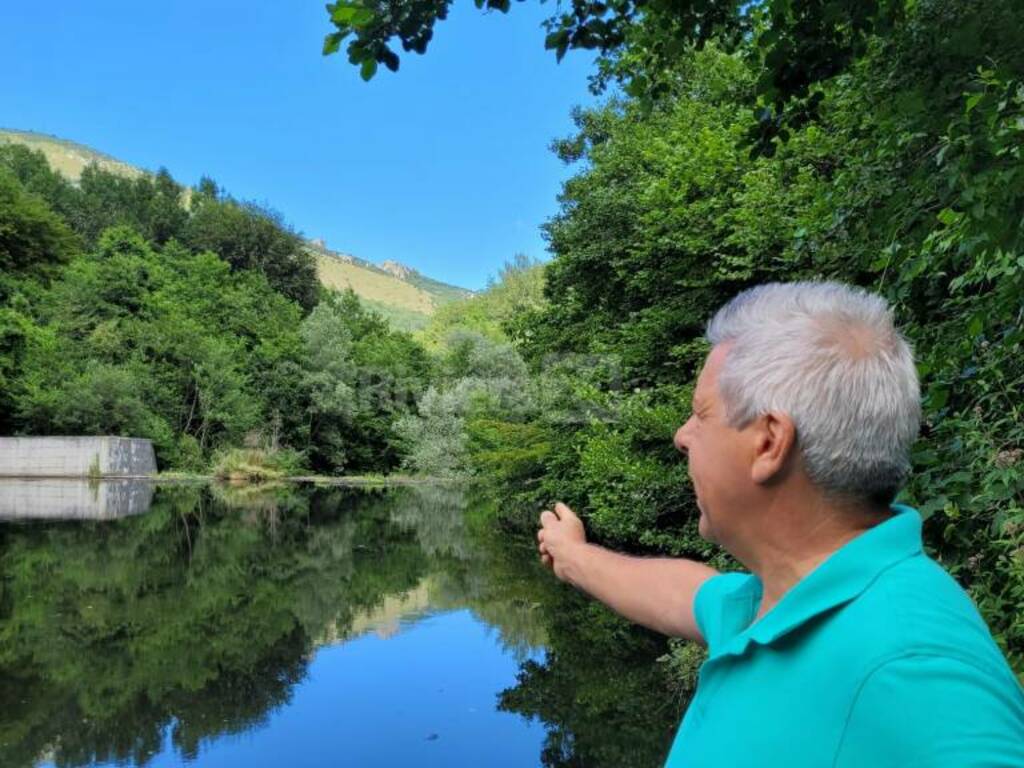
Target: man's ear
{"points": [[774, 444]]}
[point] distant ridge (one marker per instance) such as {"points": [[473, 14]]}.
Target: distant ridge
{"points": [[400, 293], [68, 158]]}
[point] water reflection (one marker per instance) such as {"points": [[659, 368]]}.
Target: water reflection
{"points": [[163, 633], [73, 498]]}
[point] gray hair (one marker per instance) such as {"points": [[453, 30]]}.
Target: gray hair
{"points": [[830, 356]]}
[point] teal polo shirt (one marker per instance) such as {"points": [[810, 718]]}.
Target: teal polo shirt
{"points": [[876, 658]]}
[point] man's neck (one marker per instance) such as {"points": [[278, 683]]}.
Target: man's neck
{"points": [[800, 537]]}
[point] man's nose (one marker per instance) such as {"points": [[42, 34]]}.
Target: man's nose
{"points": [[680, 440]]}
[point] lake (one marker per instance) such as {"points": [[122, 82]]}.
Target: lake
{"points": [[214, 626]]}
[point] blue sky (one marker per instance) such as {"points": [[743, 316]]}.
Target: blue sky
{"points": [[444, 165]]}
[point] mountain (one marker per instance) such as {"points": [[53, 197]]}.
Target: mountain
{"points": [[67, 157], [400, 293]]}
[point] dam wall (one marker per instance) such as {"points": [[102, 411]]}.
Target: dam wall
{"points": [[76, 457], [72, 498]]}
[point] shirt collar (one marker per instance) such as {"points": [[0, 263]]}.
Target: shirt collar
{"points": [[841, 578]]}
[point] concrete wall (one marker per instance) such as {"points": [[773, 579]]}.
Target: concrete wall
{"points": [[72, 498], [76, 456]]}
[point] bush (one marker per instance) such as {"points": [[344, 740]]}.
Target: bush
{"points": [[256, 465]]}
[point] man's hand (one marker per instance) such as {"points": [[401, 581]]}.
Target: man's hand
{"points": [[656, 592], [559, 538]]}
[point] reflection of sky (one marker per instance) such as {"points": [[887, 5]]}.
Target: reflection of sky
{"points": [[424, 697]]}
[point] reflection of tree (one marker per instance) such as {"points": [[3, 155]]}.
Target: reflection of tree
{"points": [[193, 615], [599, 691], [601, 694], [437, 513], [474, 568], [199, 618], [598, 688]]}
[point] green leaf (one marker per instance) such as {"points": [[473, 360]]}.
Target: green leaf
{"points": [[352, 15], [930, 507], [937, 398], [362, 17], [390, 60], [368, 69], [558, 41], [333, 42], [976, 326]]}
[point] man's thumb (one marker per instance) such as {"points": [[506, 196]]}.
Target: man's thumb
{"points": [[564, 513]]}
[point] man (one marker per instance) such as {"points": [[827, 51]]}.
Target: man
{"points": [[845, 645]]}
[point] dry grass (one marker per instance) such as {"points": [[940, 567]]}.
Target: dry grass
{"points": [[372, 285], [68, 158]]}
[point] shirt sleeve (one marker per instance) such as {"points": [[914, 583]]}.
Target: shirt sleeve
{"points": [[921, 711], [713, 607]]}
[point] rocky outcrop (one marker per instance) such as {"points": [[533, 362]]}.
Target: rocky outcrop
{"points": [[398, 269]]}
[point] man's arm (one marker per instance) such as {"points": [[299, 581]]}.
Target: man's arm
{"points": [[655, 592]]}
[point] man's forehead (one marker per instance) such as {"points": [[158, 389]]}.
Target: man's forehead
{"points": [[708, 378]]}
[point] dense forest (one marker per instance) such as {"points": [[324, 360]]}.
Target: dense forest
{"points": [[139, 307]]}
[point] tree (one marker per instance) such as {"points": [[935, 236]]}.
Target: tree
{"points": [[33, 239], [249, 237]]}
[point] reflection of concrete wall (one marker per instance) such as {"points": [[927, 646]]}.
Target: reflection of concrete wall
{"points": [[75, 456], [71, 499]]}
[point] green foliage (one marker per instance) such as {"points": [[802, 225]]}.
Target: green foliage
{"points": [[518, 287], [670, 220], [249, 237], [33, 239], [682, 665], [123, 312], [634, 481], [150, 205], [478, 379], [245, 235], [362, 378], [505, 452], [256, 464], [908, 183]]}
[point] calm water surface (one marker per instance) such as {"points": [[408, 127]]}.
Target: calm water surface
{"points": [[207, 626]]}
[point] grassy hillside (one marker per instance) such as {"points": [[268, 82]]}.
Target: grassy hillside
{"points": [[66, 157], [405, 297]]}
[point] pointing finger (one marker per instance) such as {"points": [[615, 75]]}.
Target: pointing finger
{"points": [[547, 517], [563, 511]]}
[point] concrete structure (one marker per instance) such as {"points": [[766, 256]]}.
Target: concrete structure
{"points": [[76, 457], [26, 499]]}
